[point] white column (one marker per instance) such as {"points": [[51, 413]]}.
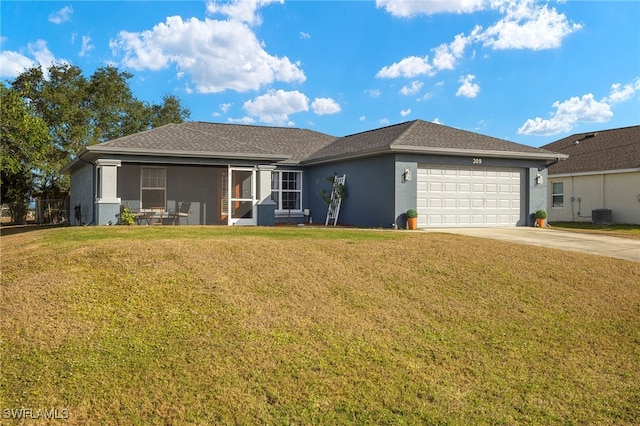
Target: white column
{"points": [[264, 184], [107, 181]]}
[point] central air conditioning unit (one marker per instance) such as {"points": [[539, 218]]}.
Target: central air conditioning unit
{"points": [[601, 216]]}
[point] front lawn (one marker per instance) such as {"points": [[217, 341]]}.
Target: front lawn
{"points": [[204, 325], [615, 230]]}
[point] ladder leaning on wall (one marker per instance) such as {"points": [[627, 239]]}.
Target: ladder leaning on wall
{"points": [[336, 200]]}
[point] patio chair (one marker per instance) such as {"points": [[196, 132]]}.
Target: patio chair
{"points": [[183, 211]]}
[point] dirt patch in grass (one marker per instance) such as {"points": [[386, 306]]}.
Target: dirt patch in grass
{"points": [[313, 326]]}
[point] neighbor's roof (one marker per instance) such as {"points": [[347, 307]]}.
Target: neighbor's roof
{"points": [[605, 150], [421, 137], [215, 140]]}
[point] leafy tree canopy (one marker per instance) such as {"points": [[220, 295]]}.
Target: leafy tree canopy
{"points": [[48, 117]]}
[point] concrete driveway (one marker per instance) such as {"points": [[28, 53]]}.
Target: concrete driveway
{"points": [[603, 245]]}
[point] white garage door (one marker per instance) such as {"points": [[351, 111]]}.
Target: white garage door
{"points": [[468, 196]]}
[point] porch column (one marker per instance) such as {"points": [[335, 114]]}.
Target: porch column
{"points": [[266, 207], [107, 203]]}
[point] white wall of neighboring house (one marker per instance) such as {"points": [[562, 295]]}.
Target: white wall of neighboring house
{"points": [[618, 191]]}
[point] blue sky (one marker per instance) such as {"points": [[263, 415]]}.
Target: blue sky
{"points": [[527, 71]]}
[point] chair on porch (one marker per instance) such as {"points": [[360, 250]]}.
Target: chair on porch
{"points": [[183, 211]]}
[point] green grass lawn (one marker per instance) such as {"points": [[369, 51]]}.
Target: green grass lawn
{"points": [[202, 325], [617, 230]]}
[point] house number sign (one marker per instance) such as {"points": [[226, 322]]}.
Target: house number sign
{"points": [[477, 161]]}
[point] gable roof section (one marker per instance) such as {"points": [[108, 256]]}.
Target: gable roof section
{"points": [[421, 137], [606, 150], [214, 140]]}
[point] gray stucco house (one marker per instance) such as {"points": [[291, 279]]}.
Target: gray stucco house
{"points": [[252, 175]]}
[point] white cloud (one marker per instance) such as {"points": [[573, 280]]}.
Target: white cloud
{"points": [[362, 118], [12, 64], [447, 55], [436, 121], [411, 89], [620, 93], [524, 24], [405, 112], [528, 25], [224, 108], [384, 121], [86, 46], [243, 120], [275, 106], [304, 35], [409, 67], [217, 54], [409, 8], [324, 106], [240, 10], [373, 93], [42, 54], [468, 88], [567, 115], [63, 15]]}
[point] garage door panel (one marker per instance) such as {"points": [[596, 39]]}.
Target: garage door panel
{"points": [[451, 187], [468, 196], [435, 186]]}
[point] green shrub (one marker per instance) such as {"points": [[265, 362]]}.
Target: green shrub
{"points": [[541, 214], [126, 217]]}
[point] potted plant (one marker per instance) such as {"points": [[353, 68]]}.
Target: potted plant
{"points": [[541, 215], [412, 219]]}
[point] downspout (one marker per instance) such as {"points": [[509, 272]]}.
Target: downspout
{"points": [[546, 166], [94, 190]]}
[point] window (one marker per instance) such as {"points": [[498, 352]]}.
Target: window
{"points": [[153, 187], [286, 190], [557, 194]]}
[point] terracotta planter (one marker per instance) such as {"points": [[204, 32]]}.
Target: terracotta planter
{"points": [[412, 222], [540, 223]]}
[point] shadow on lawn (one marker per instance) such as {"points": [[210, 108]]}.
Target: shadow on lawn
{"points": [[19, 229]]}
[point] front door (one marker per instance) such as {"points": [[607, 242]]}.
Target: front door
{"points": [[242, 196]]}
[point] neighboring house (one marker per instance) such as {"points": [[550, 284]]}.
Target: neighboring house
{"points": [[253, 175], [600, 181]]}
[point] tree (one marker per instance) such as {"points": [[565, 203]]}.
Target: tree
{"points": [[78, 112], [25, 147]]}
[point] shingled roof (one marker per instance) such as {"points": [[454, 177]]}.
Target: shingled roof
{"points": [[286, 145], [283, 144], [605, 150], [423, 137]]}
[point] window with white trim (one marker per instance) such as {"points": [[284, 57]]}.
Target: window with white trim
{"points": [[286, 190], [557, 194], [153, 187]]}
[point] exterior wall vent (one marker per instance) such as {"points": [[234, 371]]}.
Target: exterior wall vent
{"points": [[601, 216]]}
